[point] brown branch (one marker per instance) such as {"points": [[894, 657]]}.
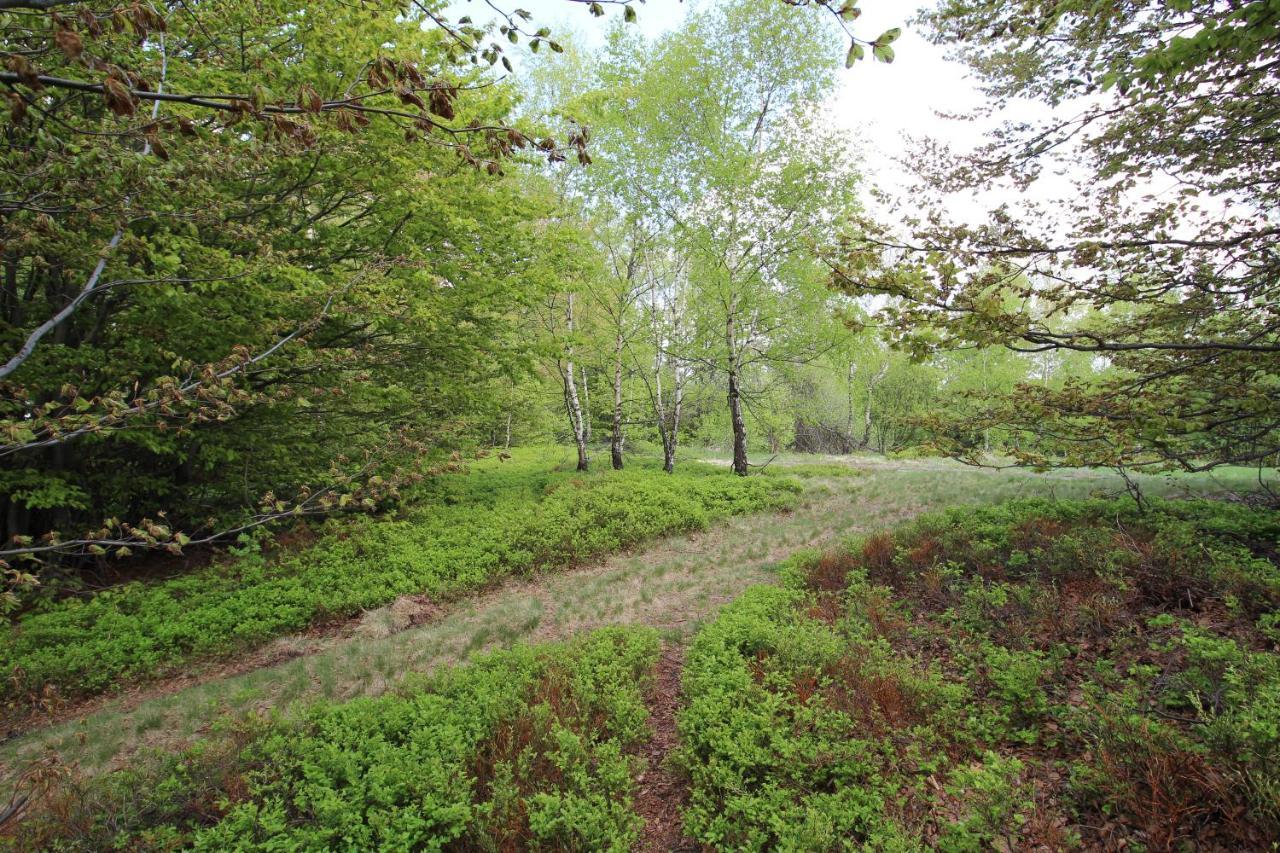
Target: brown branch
{"points": [[235, 103], [37, 5]]}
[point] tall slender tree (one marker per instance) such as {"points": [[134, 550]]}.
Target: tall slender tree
{"points": [[712, 132]]}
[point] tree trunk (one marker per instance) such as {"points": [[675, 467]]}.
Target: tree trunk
{"points": [[673, 440], [848, 424], [866, 421], [615, 439], [571, 396], [586, 405], [735, 399], [668, 428], [659, 404], [739, 426]]}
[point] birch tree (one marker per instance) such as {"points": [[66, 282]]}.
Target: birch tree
{"points": [[735, 161]]}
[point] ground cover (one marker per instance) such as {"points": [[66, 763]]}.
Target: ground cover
{"points": [[462, 533], [1035, 674]]}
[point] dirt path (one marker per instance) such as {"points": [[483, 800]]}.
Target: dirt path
{"points": [[663, 790], [672, 584]]}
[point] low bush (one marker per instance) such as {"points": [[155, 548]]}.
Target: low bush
{"points": [[527, 748], [1035, 674], [463, 532]]}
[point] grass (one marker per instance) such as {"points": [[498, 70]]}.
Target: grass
{"points": [[674, 584], [531, 747], [461, 533], [1033, 675]]}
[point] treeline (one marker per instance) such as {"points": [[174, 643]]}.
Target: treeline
{"points": [[262, 263], [267, 262], [717, 192], [858, 396]]}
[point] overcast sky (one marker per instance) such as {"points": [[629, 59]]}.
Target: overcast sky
{"points": [[879, 104]]}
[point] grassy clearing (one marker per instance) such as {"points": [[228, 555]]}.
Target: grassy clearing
{"points": [[531, 747], [673, 585], [1032, 675], [463, 533]]}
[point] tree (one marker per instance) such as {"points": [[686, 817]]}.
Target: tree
{"points": [[259, 260], [668, 300], [243, 320], [733, 159], [1163, 269], [618, 293]]}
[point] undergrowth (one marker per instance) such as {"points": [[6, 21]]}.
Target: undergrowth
{"points": [[461, 533], [527, 748], [1034, 675]]}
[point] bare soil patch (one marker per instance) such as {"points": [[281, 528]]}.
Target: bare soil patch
{"points": [[663, 789]]}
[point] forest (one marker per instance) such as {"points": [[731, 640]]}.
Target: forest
{"points": [[621, 426]]}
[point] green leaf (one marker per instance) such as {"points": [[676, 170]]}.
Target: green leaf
{"points": [[882, 52], [856, 52]]}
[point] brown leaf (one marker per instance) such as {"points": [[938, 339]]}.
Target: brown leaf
{"points": [[25, 70], [119, 98], [17, 108], [90, 22], [442, 103], [68, 42], [408, 96]]}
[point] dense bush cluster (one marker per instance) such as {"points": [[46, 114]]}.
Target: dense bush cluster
{"points": [[522, 748], [1056, 674], [464, 532]]}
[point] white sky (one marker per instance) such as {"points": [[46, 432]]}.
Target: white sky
{"points": [[878, 104]]}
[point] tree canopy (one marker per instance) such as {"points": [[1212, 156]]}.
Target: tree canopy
{"points": [[267, 261], [1162, 267]]}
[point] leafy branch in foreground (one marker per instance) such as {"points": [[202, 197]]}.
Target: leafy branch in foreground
{"points": [[1162, 268]]}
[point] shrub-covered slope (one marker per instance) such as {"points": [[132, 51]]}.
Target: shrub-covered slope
{"points": [[1036, 674], [467, 531], [532, 747]]}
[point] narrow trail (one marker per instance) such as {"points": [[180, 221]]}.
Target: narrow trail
{"points": [[672, 584], [663, 789]]}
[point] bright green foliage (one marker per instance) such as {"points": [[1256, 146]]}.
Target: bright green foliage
{"points": [[527, 747], [469, 530], [769, 769], [1016, 675], [293, 304], [715, 176], [1158, 264]]}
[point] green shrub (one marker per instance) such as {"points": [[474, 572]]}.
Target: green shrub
{"points": [[773, 766], [995, 804], [1011, 677], [527, 747], [465, 531]]}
